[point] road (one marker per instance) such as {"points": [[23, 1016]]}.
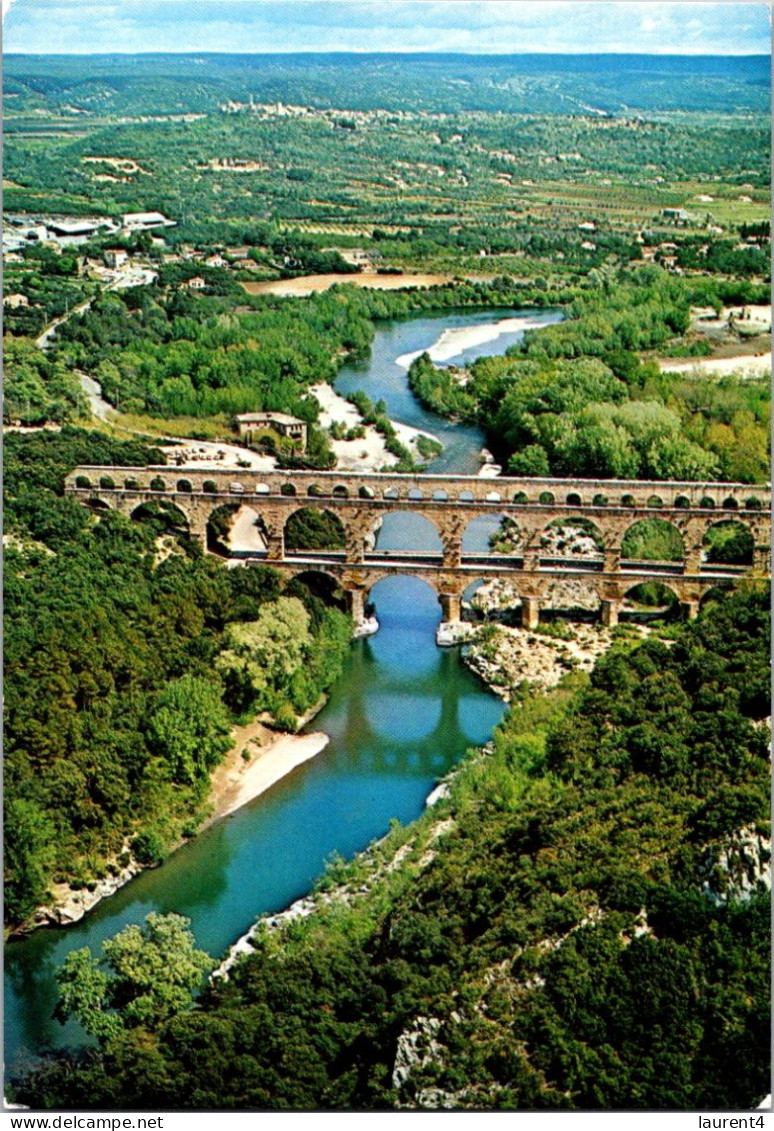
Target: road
{"points": [[126, 277]]}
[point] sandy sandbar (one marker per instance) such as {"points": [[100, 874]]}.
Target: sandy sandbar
{"points": [[236, 781], [750, 366], [368, 453], [454, 340]]}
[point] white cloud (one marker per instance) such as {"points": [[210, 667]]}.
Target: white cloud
{"points": [[476, 26]]}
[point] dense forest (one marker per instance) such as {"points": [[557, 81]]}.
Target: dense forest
{"points": [[590, 931]]}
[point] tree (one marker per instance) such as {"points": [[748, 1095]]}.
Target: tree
{"points": [[267, 651], [147, 975], [190, 727]]}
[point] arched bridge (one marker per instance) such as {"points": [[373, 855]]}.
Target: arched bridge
{"points": [[451, 503]]}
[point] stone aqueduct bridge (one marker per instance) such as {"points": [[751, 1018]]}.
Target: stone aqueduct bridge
{"points": [[451, 502]]}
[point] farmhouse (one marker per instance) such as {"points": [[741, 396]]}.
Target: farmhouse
{"points": [[252, 423]]}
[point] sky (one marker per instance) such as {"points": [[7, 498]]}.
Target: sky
{"points": [[468, 26]]}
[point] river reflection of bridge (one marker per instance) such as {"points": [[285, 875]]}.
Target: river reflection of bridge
{"points": [[404, 725]]}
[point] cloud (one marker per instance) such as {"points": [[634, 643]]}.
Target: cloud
{"points": [[482, 26]]}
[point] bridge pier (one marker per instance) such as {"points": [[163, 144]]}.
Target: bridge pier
{"points": [[452, 552], [356, 605], [692, 562], [689, 610], [610, 611], [197, 527], [761, 562], [451, 606], [530, 612], [612, 559], [275, 544]]}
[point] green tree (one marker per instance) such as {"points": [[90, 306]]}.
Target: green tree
{"points": [[190, 727], [147, 975], [266, 652]]}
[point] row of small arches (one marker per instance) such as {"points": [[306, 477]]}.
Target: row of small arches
{"points": [[414, 494]]}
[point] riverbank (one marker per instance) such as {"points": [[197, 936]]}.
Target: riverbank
{"points": [[237, 781]]}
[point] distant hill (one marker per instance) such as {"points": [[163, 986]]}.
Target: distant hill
{"points": [[518, 84]]}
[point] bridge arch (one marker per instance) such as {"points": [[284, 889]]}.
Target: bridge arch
{"points": [[653, 539], [320, 583], [162, 514], [715, 593], [314, 528], [651, 600], [729, 541], [585, 537], [481, 530], [410, 531], [98, 503], [501, 601], [423, 596]]}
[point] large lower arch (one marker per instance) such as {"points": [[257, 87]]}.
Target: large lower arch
{"points": [[408, 531], [409, 606], [97, 503], [572, 599], [653, 540], [163, 515], [729, 542], [650, 600], [313, 528], [492, 600], [491, 534], [572, 538], [716, 593], [319, 584]]}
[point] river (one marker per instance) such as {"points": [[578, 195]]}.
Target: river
{"points": [[402, 714]]}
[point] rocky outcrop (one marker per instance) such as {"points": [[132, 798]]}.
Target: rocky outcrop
{"points": [[417, 1048], [69, 905], [507, 656], [450, 633], [367, 627], [737, 868]]}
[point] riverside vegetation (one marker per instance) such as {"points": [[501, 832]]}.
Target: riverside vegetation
{"points": [[590, 931]]}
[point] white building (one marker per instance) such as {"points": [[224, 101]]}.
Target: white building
{"points": [[143, 221]]}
